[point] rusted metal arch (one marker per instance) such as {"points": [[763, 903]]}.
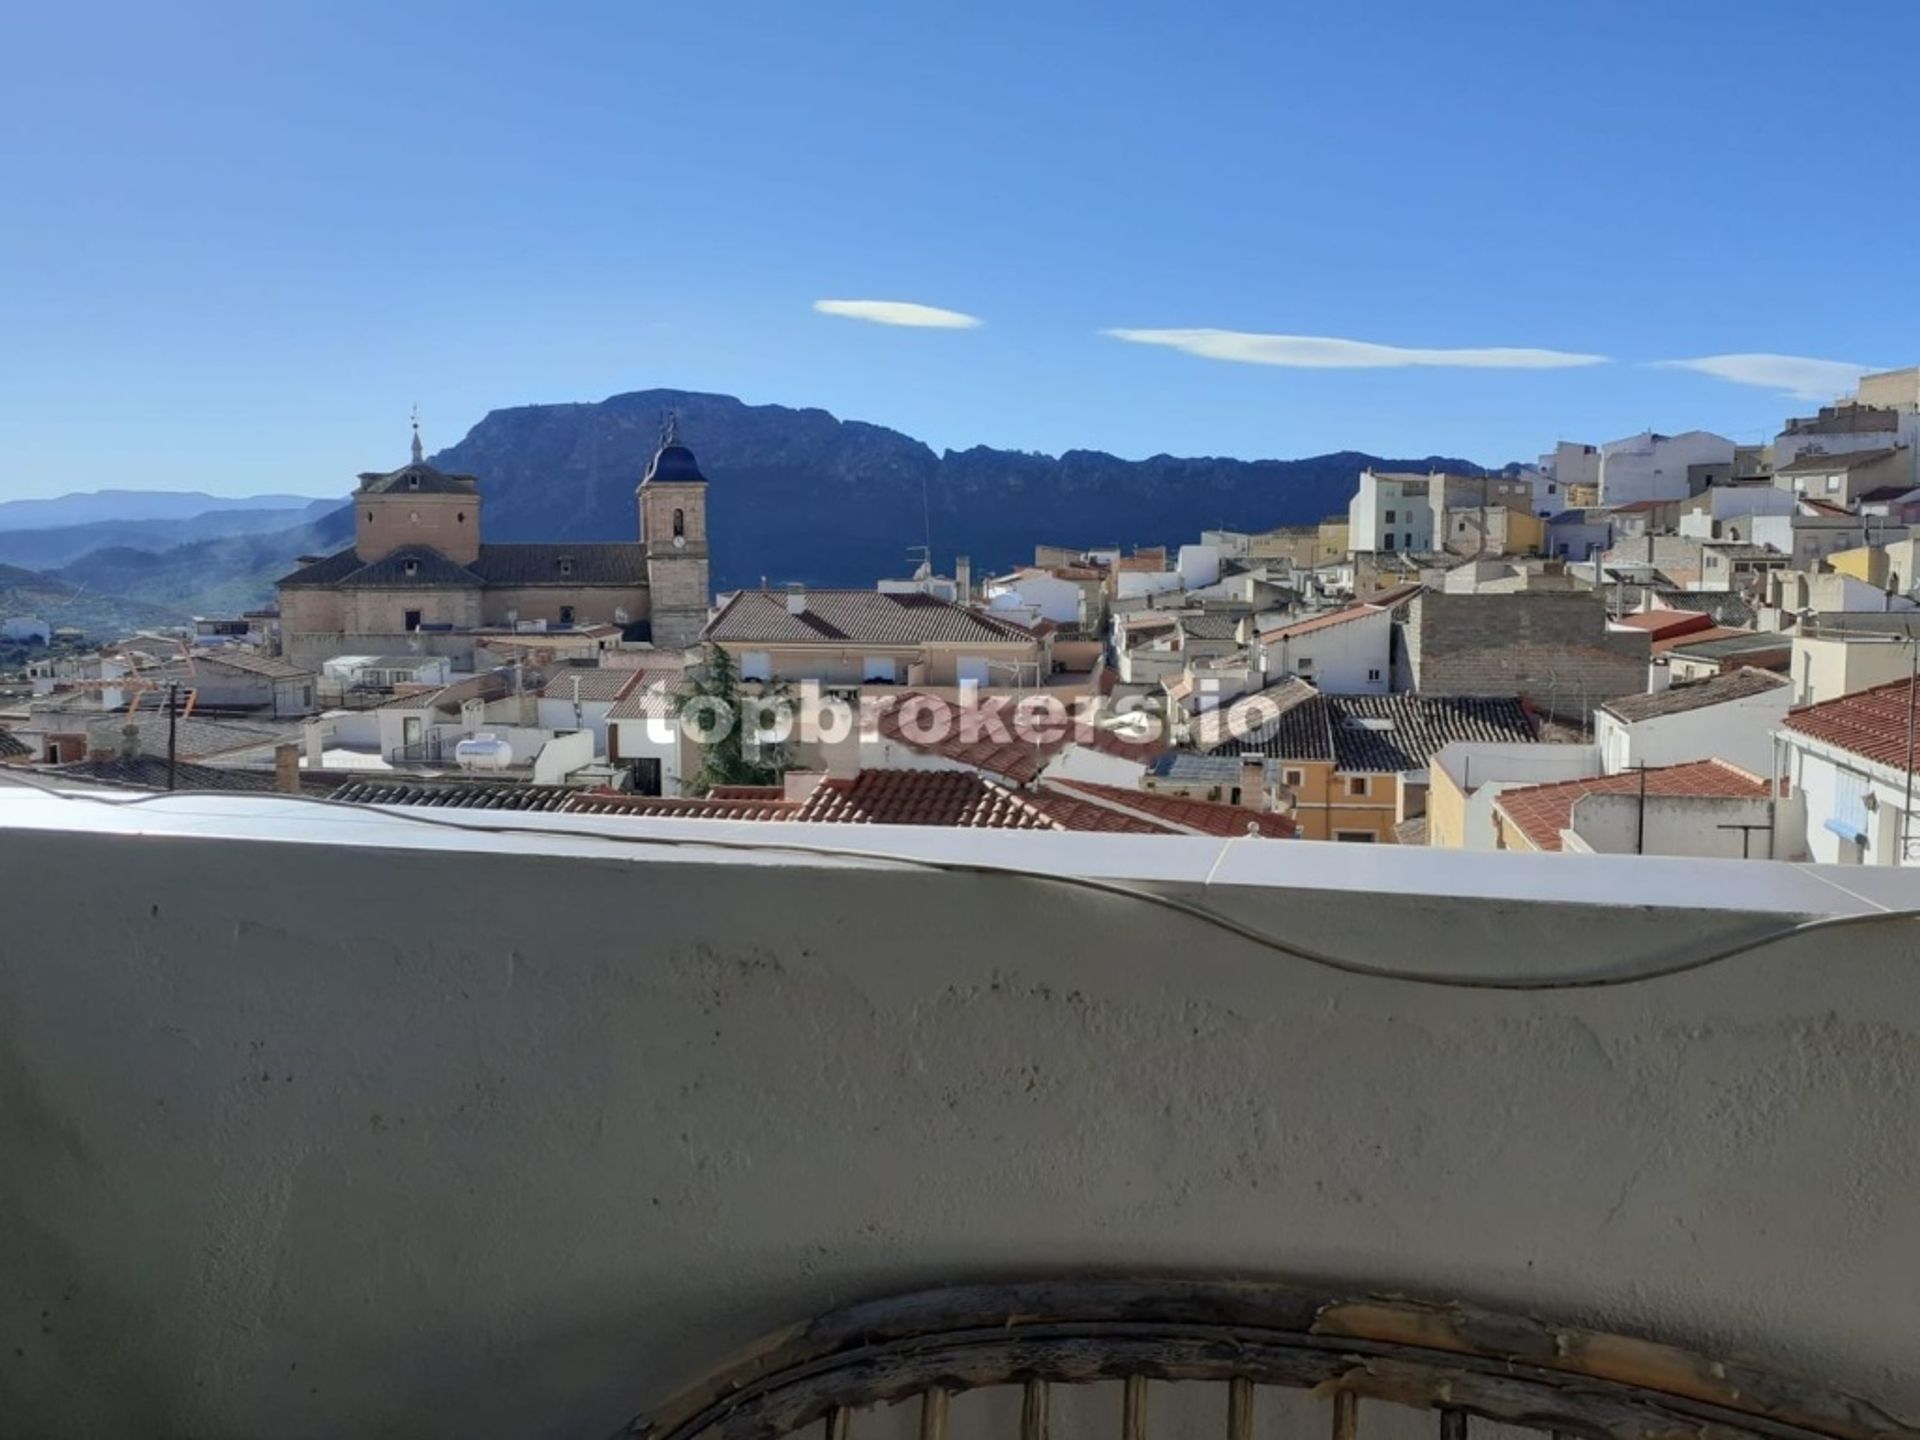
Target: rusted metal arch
{"points": [[1456, 1360]]}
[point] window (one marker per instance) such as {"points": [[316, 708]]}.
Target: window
{"points": [[566, 565], [369, 517], [1356, 785], [566, 614], [1406, 542], [413, 482], [1373, 674], [1293, 778], [1303, 664], [460, 517], [413, 567], [1355, 837], [1553, 489], [756, 665], [679, 522], [1833, 483], [877, 669], [1390, 517], [1387, 542], [413, 620]]}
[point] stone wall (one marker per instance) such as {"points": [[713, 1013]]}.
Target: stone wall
{"points": [[1554, 649], [447, 523], [592, 604]]}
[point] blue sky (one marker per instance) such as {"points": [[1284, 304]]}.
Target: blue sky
{"points": [[238, 242]]}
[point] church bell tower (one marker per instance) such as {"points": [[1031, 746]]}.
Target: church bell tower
{"points": [[673, 527]]}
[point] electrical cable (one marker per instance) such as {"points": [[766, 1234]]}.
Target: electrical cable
{"points": [[1629, 974]]}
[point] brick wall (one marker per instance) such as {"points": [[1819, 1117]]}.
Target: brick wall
{"points": [[1553, 649]]}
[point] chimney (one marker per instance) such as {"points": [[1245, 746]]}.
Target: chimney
{"points": [[796, 599], [1659, 677], [316, 739], [963, 578], [800, 784], [1253, 782], [130, 741], [286, 768]]}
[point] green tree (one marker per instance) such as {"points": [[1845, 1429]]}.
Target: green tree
{"points": [[721, 714]]}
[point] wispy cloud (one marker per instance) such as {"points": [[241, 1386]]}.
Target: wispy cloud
{"points": [[1795, 375], [900, 312], [1324, 352]]}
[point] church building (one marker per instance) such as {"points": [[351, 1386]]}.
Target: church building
{"points": [[419, 567]]}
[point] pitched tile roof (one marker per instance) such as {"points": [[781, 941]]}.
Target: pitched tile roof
{"points": [[1397, 733], [985, 736], [1543, 811], [650, 699], [587, 563], [920, 797], [411, 567], [747, 792], [1872, 723], [1286, 721], [12, 747], [1321, 622], [678, 807], [1741, 684], [488, 686], [467, 795], [269, 667], [1818, 464], [417, 478], [860, 616], [590, 683], [194, 738], [1205, 816], [615, 562]]}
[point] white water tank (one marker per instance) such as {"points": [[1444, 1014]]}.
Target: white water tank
{"points": [[483, 752]]}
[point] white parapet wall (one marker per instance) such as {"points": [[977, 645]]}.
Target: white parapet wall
{"points": [[322, 1122]]}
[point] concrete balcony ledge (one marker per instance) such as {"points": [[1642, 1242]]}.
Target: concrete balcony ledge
{"points": [[321, 1121]]}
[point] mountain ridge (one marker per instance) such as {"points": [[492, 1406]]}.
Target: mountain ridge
{"points": [[794, 494]]}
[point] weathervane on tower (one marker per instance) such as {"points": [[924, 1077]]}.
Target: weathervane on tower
{"points": [[418, 453], [669, 428]]}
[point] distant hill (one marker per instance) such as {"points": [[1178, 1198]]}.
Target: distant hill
{"points": [[795, 495], [50, 548], [801, 495], [87, 507], [62, 603], [210, 577]]}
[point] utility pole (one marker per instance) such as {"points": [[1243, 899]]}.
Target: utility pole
{"points": [[173, 733], [1640, 828]]}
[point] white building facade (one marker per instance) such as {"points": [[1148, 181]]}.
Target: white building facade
{"points": [[1651, 466], [1390, 513]]}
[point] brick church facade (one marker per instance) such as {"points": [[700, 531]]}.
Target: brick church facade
{"points": [[419, 569]]}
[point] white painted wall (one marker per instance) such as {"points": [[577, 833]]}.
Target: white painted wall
{"points": [[1096, 767], [1831, 782], [1673, 825], [561, 756], [1131, 583], [1654, 467], [1346, 659], [1379, 496], [520, 1142], [589, 716], [658, 739], [1046, 595], [1198, 566], [1737, 731]]}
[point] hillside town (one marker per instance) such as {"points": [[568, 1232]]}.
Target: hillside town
{"points": [[1667, 644]]}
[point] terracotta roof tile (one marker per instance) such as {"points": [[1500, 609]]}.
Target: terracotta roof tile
{"points": [[955, 798], [1664, 624], [1320, 622], [1205, 816], [1872, 724], [862, 616], [1741, 684], [590, 684], [1542, 811]]}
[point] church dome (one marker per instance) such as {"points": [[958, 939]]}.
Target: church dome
{"points": [[673, 464]]}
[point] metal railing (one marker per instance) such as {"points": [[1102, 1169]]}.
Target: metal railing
{"points": [[1461, 1365]]}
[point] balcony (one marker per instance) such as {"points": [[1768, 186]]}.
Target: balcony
{"points": [[326, 1121]]}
